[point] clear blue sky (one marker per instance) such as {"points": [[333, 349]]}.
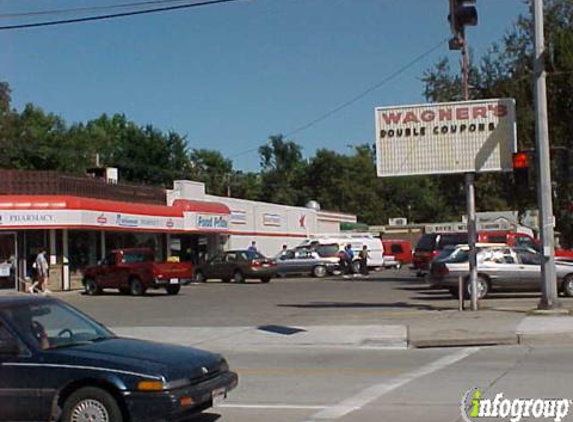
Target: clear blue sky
{"points": [[228, 76]]}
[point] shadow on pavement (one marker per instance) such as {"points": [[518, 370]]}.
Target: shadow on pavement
{"points": [[347, 305], [204, 417]]}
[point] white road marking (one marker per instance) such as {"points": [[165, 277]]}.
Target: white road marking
{"points": [[272, 406], [376, 391]]}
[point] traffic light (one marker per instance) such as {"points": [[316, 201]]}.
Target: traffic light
{"points": [[462, 13], [521, 169]]}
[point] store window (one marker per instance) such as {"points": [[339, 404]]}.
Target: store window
{"points": [[82, 250], [153, 241]]}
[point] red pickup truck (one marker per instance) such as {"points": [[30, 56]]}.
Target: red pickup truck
{"points": [[133, 271]]}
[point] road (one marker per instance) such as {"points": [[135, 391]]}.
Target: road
{"points": [[281, 381]]}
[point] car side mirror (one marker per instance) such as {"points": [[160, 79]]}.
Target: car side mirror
{"points": [[9, 347]]}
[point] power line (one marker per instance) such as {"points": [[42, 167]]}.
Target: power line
{"points": [[115, 15], [87, 9], [356, 97]]}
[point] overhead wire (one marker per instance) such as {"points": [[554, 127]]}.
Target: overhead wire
{"points": [[87, 9], [115, 15], [357, 97]]}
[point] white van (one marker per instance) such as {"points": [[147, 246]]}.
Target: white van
{"points": [[357, 241]]}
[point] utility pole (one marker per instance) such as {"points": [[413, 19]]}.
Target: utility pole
{"points": [[549, 299], [463, 13]]}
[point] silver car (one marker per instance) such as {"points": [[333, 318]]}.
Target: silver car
{"points": [[305, 261], [500, 269]]}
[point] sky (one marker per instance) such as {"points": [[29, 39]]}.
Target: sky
{"points": [[228, 76]]}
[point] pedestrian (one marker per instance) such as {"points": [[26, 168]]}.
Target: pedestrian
{"points": [[42, 273], [252, 250], [284, 251], [349, 258], [364, 260]]}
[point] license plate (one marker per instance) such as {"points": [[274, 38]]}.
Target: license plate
{"points": [[173, 281], [218, 396]]}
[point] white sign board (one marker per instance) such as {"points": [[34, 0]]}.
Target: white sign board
{"points": [[458, 137]]}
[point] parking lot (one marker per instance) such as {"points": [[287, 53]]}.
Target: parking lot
{"points": [[281, 380]]}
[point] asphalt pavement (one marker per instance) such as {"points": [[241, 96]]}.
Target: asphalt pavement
{"points": [[370, 349]]}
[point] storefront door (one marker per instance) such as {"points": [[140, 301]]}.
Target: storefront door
{"points": [[8, 261]]}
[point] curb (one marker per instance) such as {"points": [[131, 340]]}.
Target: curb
{"points": [[504, 340], [545, 339]]}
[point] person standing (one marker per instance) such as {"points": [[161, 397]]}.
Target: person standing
{"points": [[349, 258], [363, 255], [284, 251], [252, 250]]}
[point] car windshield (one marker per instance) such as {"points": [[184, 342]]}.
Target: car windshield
{"points": [[55, 325]]}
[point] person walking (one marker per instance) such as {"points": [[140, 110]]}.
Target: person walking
{"points": [[363, 255], [42, 273]]}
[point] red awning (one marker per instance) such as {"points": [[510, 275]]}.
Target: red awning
{"points": [[57, 202], [201, 206]]}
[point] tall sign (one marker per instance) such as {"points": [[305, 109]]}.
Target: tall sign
{"points": [[456, 137]]}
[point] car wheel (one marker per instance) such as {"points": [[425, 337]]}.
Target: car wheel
{"points": [[136, 287], [91, 287], [265, 279], [200, 277], [238, 277], [482, 288], [226, 280], [453, 291], [173, 290], [567, 286], [319, 271], [91, 404]]}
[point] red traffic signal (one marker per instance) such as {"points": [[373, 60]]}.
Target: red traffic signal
{"points": [[521, 160]]}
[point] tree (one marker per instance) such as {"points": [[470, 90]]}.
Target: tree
{"points": [[281, 166], [211, 168]]}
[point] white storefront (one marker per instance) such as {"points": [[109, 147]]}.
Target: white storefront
{"points": [[269, 225]]}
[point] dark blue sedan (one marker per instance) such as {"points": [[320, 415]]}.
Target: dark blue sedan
{"points": [[58, 364]]}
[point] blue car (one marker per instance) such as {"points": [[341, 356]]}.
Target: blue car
{"points": [[58, 364]]}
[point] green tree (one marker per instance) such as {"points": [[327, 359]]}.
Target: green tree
{"points": [[281, 167], [211, 168]]}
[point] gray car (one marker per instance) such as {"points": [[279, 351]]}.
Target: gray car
{"points": [[305, 261], [499, 269]]}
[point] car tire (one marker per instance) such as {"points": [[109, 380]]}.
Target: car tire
{"points": [[91, 287], [136, 287], [200, 277], [90, 403], [124, 290], [319, 271], [173, 290], [567, 286], [483, 288], [265, 280], [226, 280], [238, 277]]}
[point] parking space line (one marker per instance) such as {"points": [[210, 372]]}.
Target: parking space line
{"points": [[374, 392]]}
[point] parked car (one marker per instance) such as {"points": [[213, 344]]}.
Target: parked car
{"points": [[305, 261], [397, 252], [430, 244], [134, 271], [501, 268], [57, 364], [237, 266], [357, 241]]}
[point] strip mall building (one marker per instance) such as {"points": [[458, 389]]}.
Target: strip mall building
{"points": [[78, 220]]}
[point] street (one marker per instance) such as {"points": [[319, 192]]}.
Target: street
{"points": [[338, 373]]}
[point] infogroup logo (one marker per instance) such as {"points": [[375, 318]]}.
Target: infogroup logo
{"points": [[475, 407]]}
